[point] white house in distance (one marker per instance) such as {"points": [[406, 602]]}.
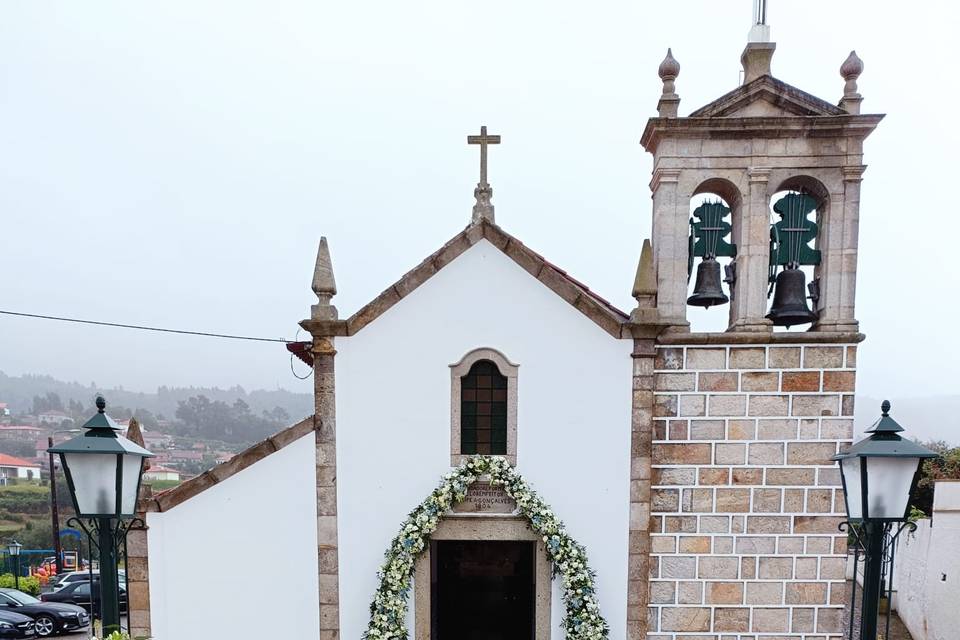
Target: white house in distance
{"points": [[161, 473], [53, 417], [12, 468], [691, 470]]}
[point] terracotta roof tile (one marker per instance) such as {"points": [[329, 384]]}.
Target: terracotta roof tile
{"points": [[10, 461]]}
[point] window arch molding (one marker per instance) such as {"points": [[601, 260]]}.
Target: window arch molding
{"points": [[814, 186], [460, 369], [723, 188]]}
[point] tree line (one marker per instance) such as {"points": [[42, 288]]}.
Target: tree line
{"points": [[196, 417]]}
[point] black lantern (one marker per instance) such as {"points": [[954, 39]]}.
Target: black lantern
{"points": [[13, 548], [103, 472], [103, 468], [879, 473]]}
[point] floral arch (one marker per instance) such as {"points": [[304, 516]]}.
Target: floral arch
{"points": [[388, 610]]}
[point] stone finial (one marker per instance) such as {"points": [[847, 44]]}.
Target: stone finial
{"points": [[324, 285], [850, 70], [135, 435], [645, 282], [483, 207], [668, 71], [756, 59], [645, 286]]}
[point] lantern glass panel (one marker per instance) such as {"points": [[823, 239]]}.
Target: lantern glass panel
{"points": [[889, 481], [851, 478], [94, 477], [131, 482]]}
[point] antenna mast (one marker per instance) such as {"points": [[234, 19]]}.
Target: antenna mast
{"points": [[760, 30]]}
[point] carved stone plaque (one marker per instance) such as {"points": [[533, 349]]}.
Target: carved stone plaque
{"points": [[482, 497]]}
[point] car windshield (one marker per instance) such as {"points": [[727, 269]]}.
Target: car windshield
{"points": [[21, 597]]}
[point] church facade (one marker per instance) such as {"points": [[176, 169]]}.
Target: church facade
{"points": [[691, 471]]}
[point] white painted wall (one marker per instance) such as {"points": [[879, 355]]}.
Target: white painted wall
{"points": [[927, 572], [393, 418], [208, 575]]}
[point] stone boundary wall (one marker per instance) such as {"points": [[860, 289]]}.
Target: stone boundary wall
{"points": [[745, 501], [925, 579], [137, 565]]}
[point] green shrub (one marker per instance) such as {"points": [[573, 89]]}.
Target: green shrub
{"points": [[163, 485], [24, 498], [15, 517], [28, 584], [116, 635]]}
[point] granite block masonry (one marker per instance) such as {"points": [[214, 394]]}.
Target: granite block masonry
{"points": [[745, 500]]}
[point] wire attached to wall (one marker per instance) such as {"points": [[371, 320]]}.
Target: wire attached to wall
{"points": [[101, 323]]}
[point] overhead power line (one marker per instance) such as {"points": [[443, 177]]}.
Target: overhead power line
{"points": [[141, 327]]}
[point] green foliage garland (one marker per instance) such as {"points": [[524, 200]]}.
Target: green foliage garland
{"points": [[388, 611]]}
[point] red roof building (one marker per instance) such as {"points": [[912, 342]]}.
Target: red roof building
{"points": [[16, 468]]}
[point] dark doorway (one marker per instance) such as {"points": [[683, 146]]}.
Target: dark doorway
{"points": [[482, 590]]}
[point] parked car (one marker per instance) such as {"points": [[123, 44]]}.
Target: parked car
{"points": [[64, 579], [80, 594], [16, 625], [49, 618]]}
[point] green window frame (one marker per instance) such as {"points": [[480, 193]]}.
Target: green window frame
{"points": [[483, 410]]}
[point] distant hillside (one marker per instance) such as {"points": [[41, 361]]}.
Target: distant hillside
{"points": [[18, 393]]}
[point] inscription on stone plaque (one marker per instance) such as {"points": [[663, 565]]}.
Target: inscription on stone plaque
{"points": [[482, 497]]}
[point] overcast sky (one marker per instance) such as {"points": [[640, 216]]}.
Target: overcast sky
{"points": [[174, 163]]}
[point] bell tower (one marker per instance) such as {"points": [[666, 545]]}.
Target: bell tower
{"points": [[782, 169], [756, 206]]}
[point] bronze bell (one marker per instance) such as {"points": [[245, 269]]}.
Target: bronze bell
{"points": [[790, 300], [708, 290]]}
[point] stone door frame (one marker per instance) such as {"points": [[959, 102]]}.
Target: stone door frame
{"points": [[488, 528]]}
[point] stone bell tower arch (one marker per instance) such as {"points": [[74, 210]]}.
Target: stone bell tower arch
{"points": [[763, 137], [734, 497]]}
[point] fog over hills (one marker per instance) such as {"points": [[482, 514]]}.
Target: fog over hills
{"points": [[18, 393], [924, 418]]}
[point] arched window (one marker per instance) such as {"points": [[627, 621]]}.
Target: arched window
{"points": [[715, 225], [483, 410], [483, 407], [797, 215]]}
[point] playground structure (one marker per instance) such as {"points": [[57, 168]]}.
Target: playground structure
{"points": [[41, 563]]}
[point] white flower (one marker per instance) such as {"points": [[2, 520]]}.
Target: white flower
{"points": [[395, 574]]}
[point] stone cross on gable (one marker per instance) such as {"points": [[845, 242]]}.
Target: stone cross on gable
{"points": [[483, 140], [483, 209]]}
